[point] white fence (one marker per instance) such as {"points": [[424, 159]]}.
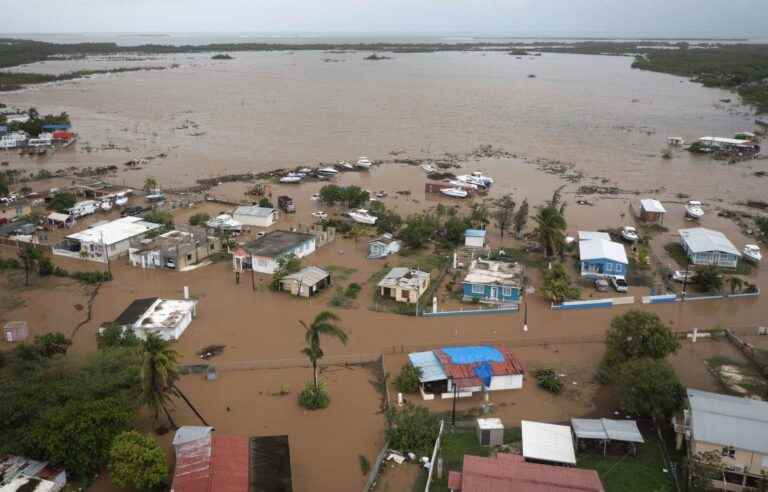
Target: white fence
{"points": [[435, 450]]}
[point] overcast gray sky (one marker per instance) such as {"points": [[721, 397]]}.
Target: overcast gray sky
{"points": [[715, 18]]}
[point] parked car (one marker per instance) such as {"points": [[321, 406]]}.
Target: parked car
{"points": [[620, 284], [629, 234], [170, 263], [601, 285], [131, 211], [683, 276]]}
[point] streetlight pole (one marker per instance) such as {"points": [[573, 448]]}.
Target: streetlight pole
{"points": [[453, 410], [525, 315]]}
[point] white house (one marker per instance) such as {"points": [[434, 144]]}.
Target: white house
{"points": [[105, 241], [167, 318], [474, 238], [383, 246], [707, 247], [265, 251], [255, 216]]}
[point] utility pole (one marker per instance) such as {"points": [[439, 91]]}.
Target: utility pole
{"points": [[525, 316]]}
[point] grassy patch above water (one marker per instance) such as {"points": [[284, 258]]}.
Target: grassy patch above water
{"points": [[339, 272]]}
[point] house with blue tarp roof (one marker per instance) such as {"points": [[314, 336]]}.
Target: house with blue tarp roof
{"points": [[464, 371]]}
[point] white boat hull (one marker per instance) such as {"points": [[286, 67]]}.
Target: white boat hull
{"points": [[694, 213], [291, 179], [121, 201], [454, 192]]}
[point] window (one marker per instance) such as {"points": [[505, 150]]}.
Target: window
{"points": [[478, 289], [728, 451], [608, 267], [506, 291]]}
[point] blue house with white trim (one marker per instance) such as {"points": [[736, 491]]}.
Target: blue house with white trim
{"points": [[601, 258], [474, 238], [493, 282]]}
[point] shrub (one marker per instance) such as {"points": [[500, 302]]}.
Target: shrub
{"points": [[313, 398], [45, 267], [92, 277], [365, 465], [548, 380], [352, 290], [137, 462], [9, 264], [199, 219], [408, 379], [412, 429]]}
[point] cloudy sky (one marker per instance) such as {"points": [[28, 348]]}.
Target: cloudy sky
{"points": [[704, 18]]}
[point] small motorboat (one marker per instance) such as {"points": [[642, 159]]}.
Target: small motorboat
{"points": [[456, 183], [693, 210], [319, 214], [328, 170], [345, 165], [429, 168], [363, 162], [121, 200], [454, 192], [629, 233], [304, 171], [381, 194], [752, 253], [363, 217], [315, 197], [292, 178], [106, 206], [155, 197]]}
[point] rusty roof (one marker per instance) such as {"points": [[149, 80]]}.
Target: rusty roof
{"points": [[208, 464]]}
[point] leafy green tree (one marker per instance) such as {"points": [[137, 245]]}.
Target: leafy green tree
{"points": [[199, 219], [331, 194], [286, 265], [408, 379], [30, 258], [159, 374], [264, 202], [709, 278], [412, 429], [324, 324], [419, 228], [112, 335], [480, 215], [355, 197], [556, 285], [454, 227], [4, 185], [388, 220], [521, 217], [504, 213], [137, 462], [637, 334], [648, 387], [162, 217], [51, 344], [62, 201], [78, 435]]}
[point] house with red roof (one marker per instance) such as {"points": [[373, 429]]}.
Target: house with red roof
{"points": [[463, 371], [511, 473]]}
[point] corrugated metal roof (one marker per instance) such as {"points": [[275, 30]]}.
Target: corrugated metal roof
{"points": [[587, 235], [729, 420], [308, 275], [254, 211], [615, 430], [651, 205], [588, 429], [431, 369], [474, 233], [702, 240], [510, 473], [600, 249], [212, 464], [548, 442], [187, 433]]}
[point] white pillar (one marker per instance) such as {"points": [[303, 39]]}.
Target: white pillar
{"points": [[695, 334], [399, 399], [434, 304], [186, 292], [455, 260]]}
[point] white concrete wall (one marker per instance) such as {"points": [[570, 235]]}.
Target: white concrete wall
{"points": [[254, 221], [474, 242], [509, 382]]}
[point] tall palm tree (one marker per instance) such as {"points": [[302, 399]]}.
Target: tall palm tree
{"points": [[150, 184], [551, 229], [323, 324], [159, 374]]}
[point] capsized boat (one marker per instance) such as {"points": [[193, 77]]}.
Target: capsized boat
{"points": [[345, 165], [693, 209], [363, 217], [454, 192], [363, 162], [328, 170], [752, 253]]}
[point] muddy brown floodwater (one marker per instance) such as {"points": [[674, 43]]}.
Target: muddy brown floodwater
{"points": [[606, 123]]}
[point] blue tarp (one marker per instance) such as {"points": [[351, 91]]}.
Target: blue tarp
{"points": [[484, 373], [473, 354], [474, 233]]}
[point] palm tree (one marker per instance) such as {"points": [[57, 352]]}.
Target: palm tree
{"points": [[150, 184], [323, 324], [159, 375], [30, 258], [736, 284], [551, 229]]}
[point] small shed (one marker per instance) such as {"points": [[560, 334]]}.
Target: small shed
{"points": [[56, 219], [652, 211], [383, 246], [255, 216], [15, 331], [490, 432], [605, 431], [548, 443], [474, 238], [306, 282]]}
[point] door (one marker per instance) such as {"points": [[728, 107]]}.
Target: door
{"points": [[494, 293], [485, 438]]}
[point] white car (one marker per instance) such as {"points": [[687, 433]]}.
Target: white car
{"points": [[683, 276], [629, 233], [619, 284], [319, 214]]}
